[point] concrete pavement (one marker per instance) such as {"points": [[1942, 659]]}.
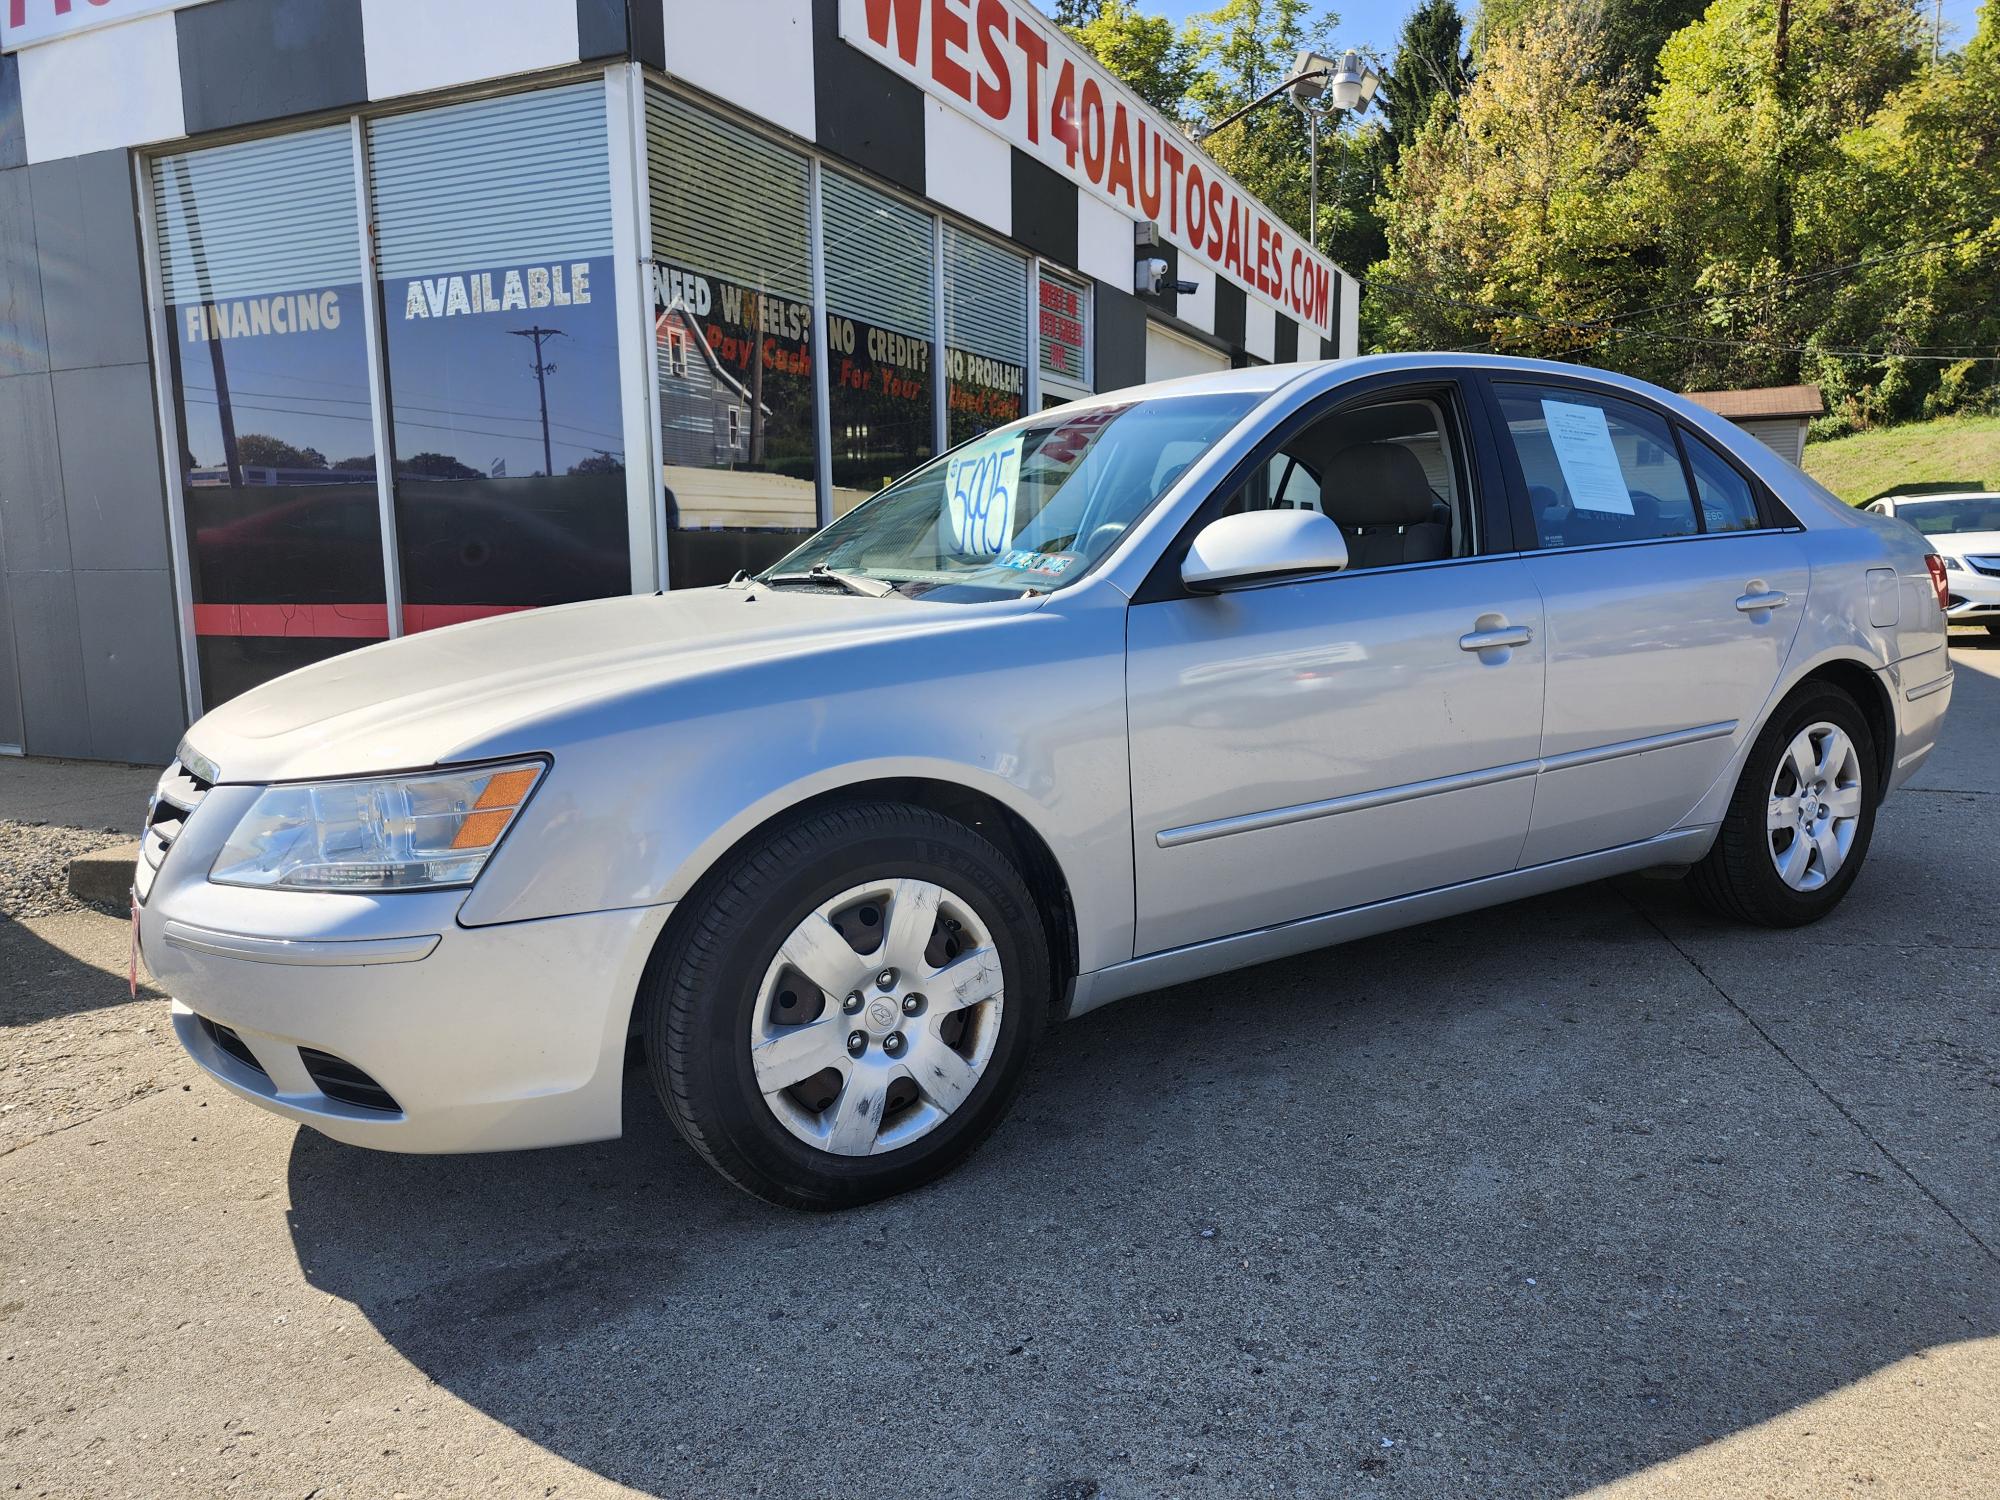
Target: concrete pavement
{"points": [[1592, 1190]]}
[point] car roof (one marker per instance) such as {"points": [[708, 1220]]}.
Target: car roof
{"points": [[1919, 499], [1264, 379]]}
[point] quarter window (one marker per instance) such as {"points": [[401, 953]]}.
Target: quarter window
{"points": [[1597, 469], [1726, 501]]}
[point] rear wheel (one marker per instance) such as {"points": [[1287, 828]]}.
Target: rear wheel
{"points": [[851, 1007], [1799, 823]]}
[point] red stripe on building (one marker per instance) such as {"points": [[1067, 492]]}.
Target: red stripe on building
{"points": [[356, 622]]}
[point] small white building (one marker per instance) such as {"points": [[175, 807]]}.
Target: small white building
{"points": [[1776, 415]]}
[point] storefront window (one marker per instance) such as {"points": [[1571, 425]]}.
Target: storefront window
{"points": [[732, 335], [260, 266], [493, 226], [879, 277], [985, 335], [1063, 330]]}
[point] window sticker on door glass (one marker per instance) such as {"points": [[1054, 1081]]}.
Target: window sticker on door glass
{"points": [[979, 486], [1582, 440]]}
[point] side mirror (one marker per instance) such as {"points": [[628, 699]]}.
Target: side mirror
{"points": [[1260, 545]]}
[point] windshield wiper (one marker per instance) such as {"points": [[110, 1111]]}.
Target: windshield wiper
{"points": [[854, 583]]}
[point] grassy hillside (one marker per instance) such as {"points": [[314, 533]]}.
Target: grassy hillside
{"points": [[1962, 452]]}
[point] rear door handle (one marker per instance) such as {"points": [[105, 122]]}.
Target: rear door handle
{"points": [[1489, 640], [1763, 599]]}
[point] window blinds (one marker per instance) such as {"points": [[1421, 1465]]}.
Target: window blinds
{"points": [[878, 258], [263, 216], [725, 201], [492, 183], [985, 298]]}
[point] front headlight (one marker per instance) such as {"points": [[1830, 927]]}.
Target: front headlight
{"points": [[1952, 564], [383, 833]]}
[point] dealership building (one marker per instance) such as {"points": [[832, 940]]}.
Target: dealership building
{"points": [[326, 321]]}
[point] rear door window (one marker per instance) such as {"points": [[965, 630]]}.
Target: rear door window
{"points": [[1597, 469]]}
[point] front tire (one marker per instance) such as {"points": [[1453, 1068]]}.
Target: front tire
{"points": [[850, 1008], [1799, 824]]}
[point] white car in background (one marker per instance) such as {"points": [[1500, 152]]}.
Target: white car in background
{"points": [[1964, 527]]}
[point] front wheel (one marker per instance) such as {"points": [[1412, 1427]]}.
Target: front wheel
{"points": [[851, 1006], [1799, 823]]}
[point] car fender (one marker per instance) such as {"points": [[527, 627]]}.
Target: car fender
{"points": [[1031, 716]]}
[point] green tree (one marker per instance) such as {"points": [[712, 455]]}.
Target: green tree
{"points": [[1628, 34], [1511, 222], [1914, 194], [1143, 52], [265, 451], [1430, 64], [1752, 106]]}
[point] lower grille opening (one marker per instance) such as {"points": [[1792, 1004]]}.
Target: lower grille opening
{"points": [[228, 1041], [339, 1079]]}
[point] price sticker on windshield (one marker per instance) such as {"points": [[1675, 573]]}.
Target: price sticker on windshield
{"points": [[979, 485]]}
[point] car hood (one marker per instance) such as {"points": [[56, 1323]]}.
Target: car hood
{"points": [[1967, 543], [503, 686]]}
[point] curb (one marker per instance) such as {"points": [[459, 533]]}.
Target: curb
{"points": [[104, 876]]}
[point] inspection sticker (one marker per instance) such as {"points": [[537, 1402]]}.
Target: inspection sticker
{"points": [[1051, 564]]}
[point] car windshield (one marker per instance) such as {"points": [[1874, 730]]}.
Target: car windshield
{"points": [[1025, 508], [1943, 517]]}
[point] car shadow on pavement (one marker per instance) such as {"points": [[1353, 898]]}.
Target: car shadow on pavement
{"points": [[1515, 1203]]}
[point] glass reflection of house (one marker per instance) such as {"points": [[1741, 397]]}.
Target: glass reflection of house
{"points": [[704, 409]]}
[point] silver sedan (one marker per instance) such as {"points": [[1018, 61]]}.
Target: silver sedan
{"points": [[1135, 690]]}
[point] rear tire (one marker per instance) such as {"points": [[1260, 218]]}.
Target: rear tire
{"points": [[1799, 824], [930, 991]]}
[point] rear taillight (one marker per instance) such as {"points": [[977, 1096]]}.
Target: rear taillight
{"points": [[1936, 565]]}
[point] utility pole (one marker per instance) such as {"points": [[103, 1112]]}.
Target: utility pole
{"points": [[1937, 31], [542, 373]]}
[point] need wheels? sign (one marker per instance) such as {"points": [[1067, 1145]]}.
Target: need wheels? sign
{"points": [[1003, 64]]}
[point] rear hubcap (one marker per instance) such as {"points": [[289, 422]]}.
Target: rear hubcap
{"points": [[878, 1017], [1815, 806]]}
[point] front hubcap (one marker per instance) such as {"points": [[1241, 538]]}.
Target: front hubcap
{"points": [[857, 1079], [1815, 806]]}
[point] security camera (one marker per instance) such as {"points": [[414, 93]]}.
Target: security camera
{"points": [[1187, 288], [1149, 276]]}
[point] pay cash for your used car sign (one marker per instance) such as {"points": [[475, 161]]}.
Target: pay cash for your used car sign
{"points": [[1005, 66]]}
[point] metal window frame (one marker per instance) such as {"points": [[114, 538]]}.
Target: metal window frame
{"points": [[179, 553], [378, 385], [631, 256]]}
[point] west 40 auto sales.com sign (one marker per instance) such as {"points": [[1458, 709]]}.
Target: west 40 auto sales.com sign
{"points": [[23, 22], [1002, 64]]}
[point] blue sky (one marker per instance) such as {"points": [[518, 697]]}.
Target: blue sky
{"points": [[1374, 23]]}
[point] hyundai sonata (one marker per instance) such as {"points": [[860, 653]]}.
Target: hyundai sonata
{"points": [[1135, 690]]}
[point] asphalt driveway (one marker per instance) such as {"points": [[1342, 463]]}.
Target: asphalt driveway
{"points": [[1588, 1190]]}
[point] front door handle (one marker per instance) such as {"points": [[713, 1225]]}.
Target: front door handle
{"points": [[1495, 638], [1762, 600]]}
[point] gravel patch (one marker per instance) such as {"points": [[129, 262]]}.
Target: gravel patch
{"points": [[34, 865]]}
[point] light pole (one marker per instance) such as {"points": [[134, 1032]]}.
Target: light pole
{"points": [[1348, 81]]}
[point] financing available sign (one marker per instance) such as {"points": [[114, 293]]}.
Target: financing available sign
{"points": [[23, 22], [1004, 65]]}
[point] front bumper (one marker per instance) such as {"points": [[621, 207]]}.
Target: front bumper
{"points": [[478, 1038]]}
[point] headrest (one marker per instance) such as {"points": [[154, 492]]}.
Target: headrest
{"points": [[1376, 484]]}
